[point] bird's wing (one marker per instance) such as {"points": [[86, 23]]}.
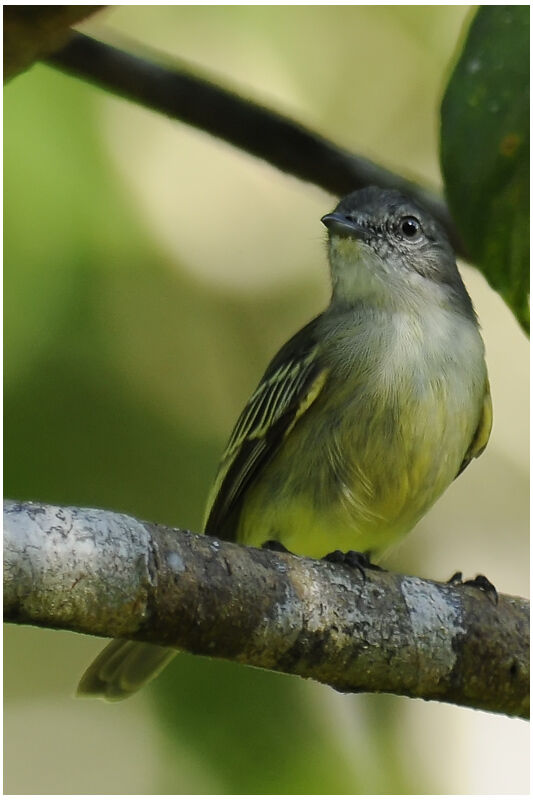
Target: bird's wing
{"points": [[290, 385], [481, 436]]}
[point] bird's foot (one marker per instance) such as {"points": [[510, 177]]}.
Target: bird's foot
{"points": [[353, 559], [479, 582], [275, 546]]}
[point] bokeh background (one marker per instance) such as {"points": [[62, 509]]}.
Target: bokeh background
{"points": [[150, 273]]}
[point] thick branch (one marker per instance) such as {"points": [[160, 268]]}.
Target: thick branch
{"points": [[287, 145], [108, 574]]}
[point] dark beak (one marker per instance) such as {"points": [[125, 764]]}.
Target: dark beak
{"points": [[342, 225]]}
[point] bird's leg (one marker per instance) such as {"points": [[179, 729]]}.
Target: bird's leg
{"points": [[479, 582], [353, 559], [275, 546]]}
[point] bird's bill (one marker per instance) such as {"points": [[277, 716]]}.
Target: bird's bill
{"points": [[342, 225]]}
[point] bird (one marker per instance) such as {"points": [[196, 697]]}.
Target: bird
{"points": [[360, 421]]}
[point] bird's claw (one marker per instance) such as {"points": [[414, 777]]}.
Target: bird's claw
{"points": [[275, 546], [479, 582], [352, 559]]}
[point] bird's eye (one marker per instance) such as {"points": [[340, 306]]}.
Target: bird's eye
{"points": [[410, 227]]}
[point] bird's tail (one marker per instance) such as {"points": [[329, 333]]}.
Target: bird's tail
{"points": [[122, 668]]}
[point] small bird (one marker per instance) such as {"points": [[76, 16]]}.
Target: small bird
{"points": [[361, 420]]}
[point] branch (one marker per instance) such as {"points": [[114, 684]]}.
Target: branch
{"points": [[108, 574], [249, 126], [32, 32]]}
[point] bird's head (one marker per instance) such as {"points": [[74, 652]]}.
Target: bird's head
{"points": [[386, 249]]}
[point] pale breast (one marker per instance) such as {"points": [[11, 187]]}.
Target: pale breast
{"points": [[408, 417]]}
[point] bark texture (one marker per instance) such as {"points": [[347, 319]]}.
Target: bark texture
{"points": [[108, 574]]}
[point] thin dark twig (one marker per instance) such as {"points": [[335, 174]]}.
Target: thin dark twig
{"points": [[249, 126]]}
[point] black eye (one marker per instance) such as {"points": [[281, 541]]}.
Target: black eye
{"points": [[410, 227]]}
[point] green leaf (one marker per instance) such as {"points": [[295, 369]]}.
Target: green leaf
{"points": [[485, 149]]}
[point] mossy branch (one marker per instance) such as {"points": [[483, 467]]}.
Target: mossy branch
{"points": [[108, 574]]}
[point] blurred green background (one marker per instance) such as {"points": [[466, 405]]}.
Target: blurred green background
{"points": [[150, 273]]}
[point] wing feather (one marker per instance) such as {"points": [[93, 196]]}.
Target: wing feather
{"points": [[288, 388], [481, 436]]}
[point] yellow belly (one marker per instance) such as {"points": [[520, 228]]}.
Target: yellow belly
{"points": [[355, 478]]}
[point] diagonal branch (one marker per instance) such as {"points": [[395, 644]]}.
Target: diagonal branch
{"points": [[249, 126], [108, 574]]}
